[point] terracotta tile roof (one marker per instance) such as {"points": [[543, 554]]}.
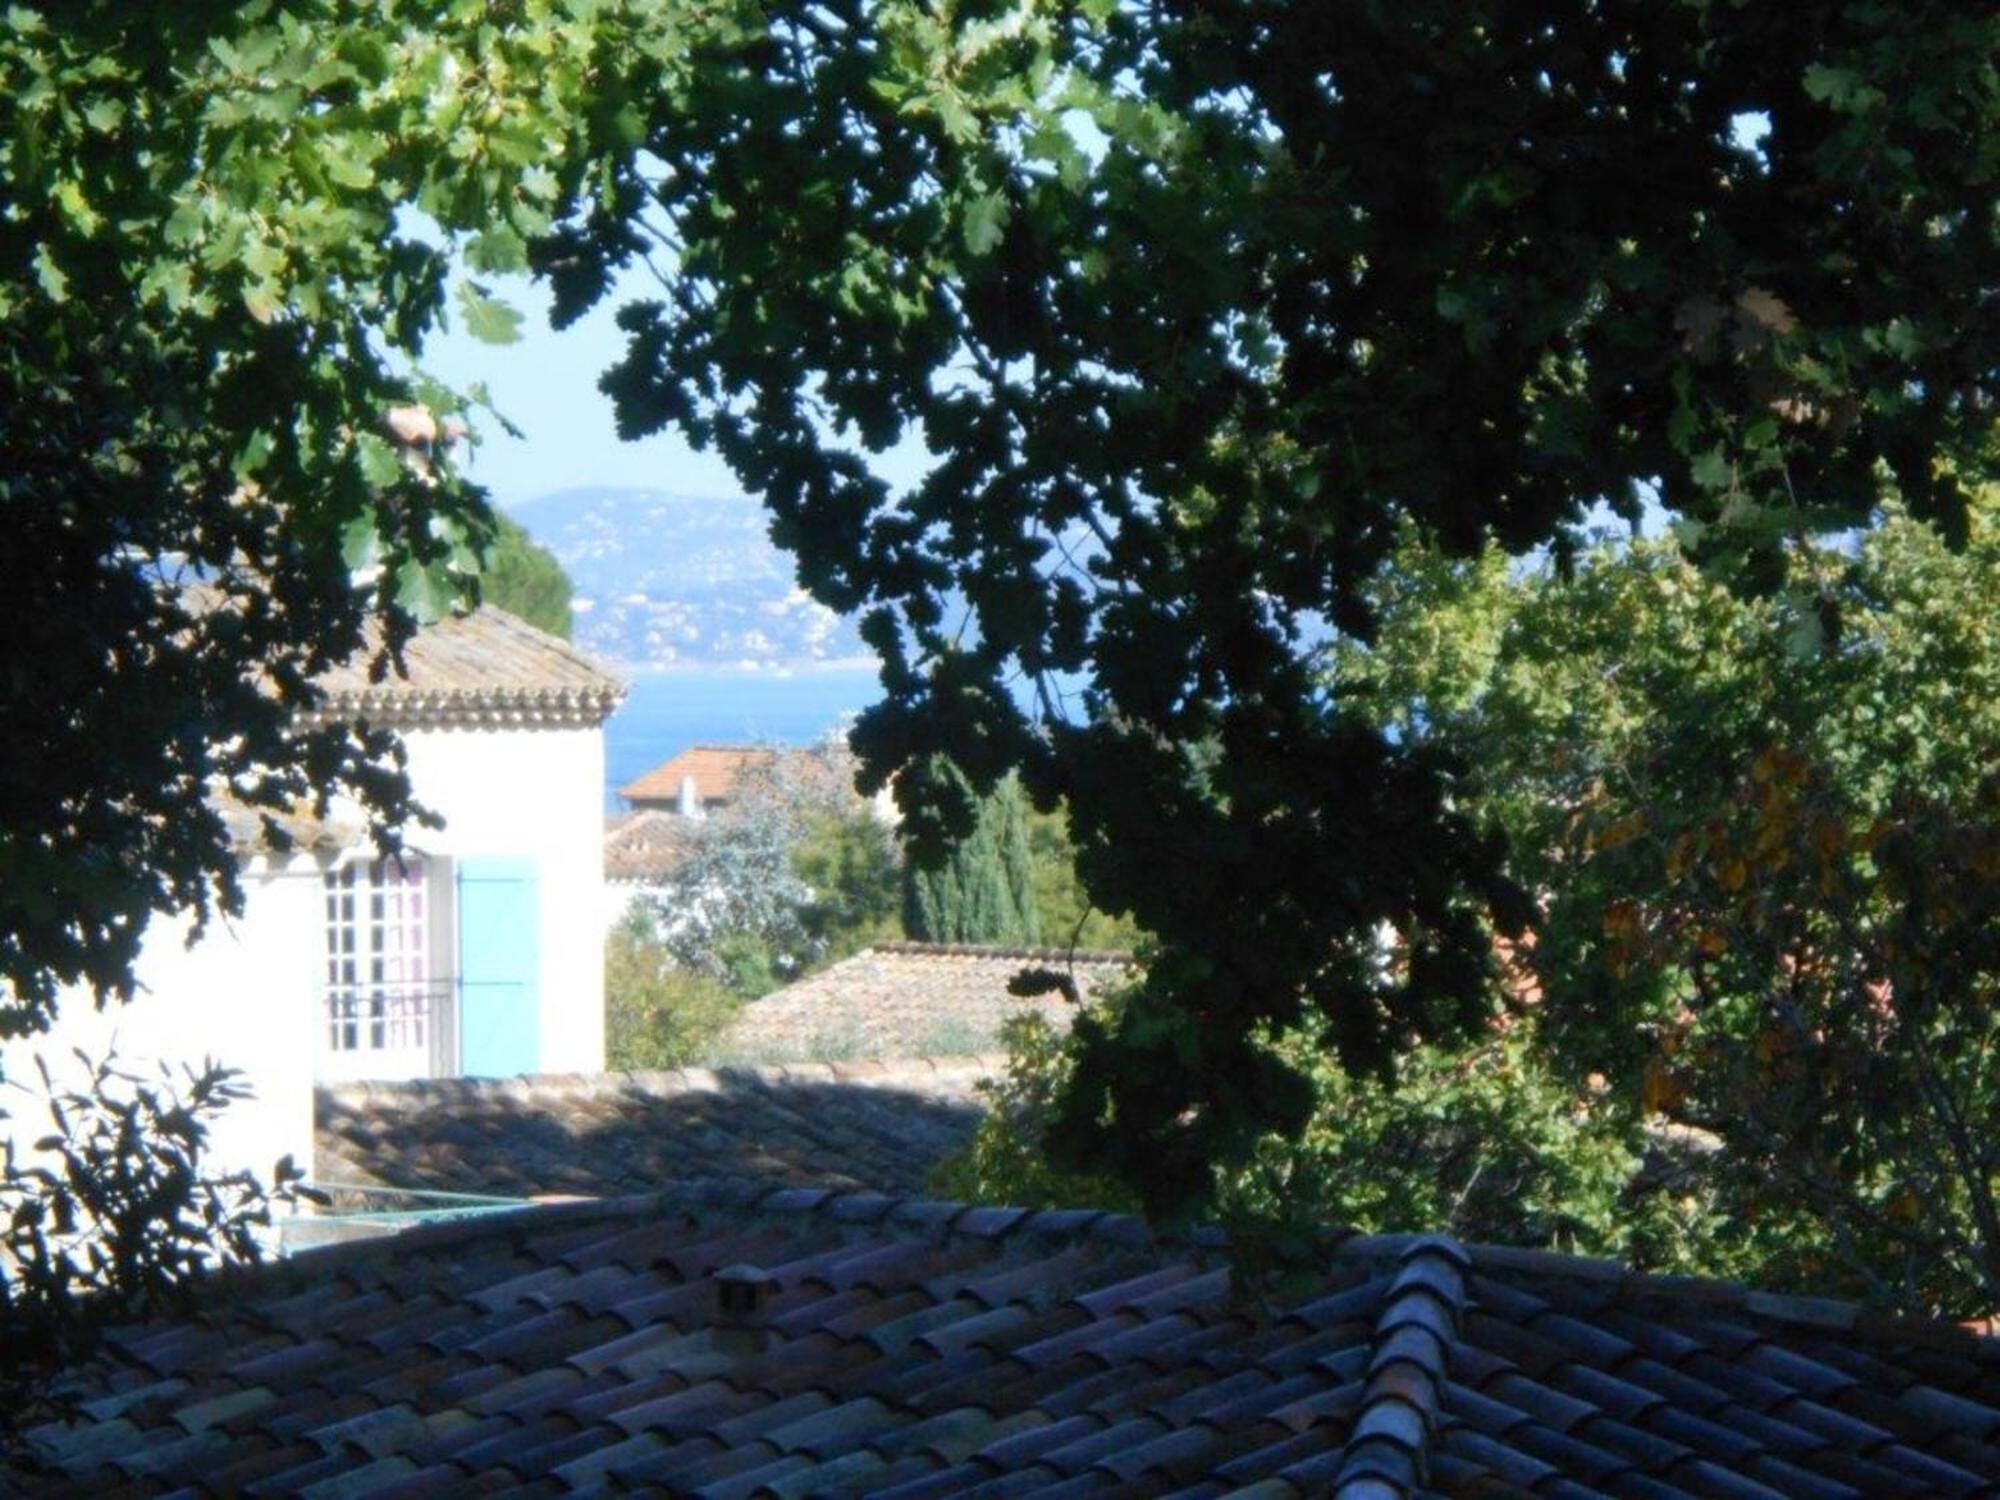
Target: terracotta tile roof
{"points": [[485, 667], [902, 999], [792, 1342], [872, 1124], [645, 846], [713, 769]]}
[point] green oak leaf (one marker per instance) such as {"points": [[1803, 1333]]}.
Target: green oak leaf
{"points": [[487, 318]]}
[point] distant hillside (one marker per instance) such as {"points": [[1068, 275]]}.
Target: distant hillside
{"points": [[673, 580]]}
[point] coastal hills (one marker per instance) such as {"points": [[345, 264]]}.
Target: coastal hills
{"points": [[669, 580]]}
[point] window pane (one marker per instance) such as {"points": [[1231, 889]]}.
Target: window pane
{"points": [[378, 951]]}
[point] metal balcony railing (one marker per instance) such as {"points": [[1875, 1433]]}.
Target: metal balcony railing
{"points": [[389, 1029]]}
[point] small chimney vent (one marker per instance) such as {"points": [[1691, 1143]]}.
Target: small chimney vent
{"points": [[742, 1293]]}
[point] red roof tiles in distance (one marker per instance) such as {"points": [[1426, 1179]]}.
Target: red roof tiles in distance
{"points": [[644, 847], [712, 768]]}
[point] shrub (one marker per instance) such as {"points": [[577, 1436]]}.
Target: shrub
{"points": [[1484, 1142], [111, 1216], [658, 1014]]}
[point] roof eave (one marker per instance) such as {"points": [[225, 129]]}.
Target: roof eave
{"points": [[400, 708]]}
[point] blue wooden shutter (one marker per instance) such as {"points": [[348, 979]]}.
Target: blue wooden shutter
{"points": [[499, 968]]}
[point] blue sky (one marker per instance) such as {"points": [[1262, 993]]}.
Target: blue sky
{"points": [[546, 384]]}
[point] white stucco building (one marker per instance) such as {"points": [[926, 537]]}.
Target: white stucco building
{"points": [[477, 953]]}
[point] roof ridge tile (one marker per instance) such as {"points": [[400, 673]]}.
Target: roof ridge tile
{"points": [[907, 948], [1388, 1449]]}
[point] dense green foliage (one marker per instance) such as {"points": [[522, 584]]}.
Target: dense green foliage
{"points": [[1764, 835], [1754, 1034], [984, 888], [524, 578], [658, 1014], [1485, 1142], [210, 284], [848, 860], [1007, 1161], [1313, 270], [1069, 918]]}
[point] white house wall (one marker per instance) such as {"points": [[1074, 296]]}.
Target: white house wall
{"points": [[250, 993], [243, 996], [537, 793]]}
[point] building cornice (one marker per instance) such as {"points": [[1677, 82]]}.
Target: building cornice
{"points": [[403, 708]]}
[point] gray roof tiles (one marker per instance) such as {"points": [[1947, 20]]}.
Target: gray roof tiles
{"points": [[873, 1124], [929, 1349]]}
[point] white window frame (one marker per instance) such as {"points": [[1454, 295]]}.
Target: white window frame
{"points": [[386, 1003]]}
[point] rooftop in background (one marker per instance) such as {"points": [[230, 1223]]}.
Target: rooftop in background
{"points": [[482, 668], [709, 770], [877, 1125], [905, 999], [788, 1342], [643, 847]]}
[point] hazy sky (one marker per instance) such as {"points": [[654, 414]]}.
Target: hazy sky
{"points": [[546, 384]]}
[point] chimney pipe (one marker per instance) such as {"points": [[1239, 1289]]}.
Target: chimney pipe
{"points": [[742, 1293]]}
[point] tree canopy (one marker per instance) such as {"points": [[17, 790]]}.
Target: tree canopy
{"points": [[1193, 305], [524, 578], [1754, 1035], [1764, 862], [212, 282]]}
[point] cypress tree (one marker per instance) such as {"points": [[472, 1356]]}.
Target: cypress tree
{"points": [[984, 891]]}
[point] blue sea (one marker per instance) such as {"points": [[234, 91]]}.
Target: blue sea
{"points": [[667, 711]]}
